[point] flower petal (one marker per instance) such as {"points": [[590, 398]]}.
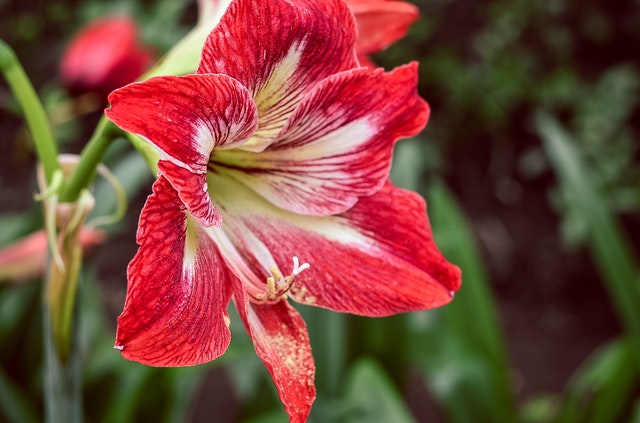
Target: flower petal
{"points": [[193, 191], [185, 117], [281, 340], [278, 50], [381, 22], [337, 145], [377, 259], [175, 312]]}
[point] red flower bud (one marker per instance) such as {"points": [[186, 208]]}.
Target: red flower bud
{"points": [[103, 56]]}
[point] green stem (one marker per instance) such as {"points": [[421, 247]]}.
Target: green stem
{"points": [[90, 158], [32, 108], [62, 377]]}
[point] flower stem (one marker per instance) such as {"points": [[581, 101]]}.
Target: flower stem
{"points": [[62, 377], [32, 108], [90, 158]]}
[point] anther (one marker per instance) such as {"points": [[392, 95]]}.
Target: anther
{"points": [[278, 285]]}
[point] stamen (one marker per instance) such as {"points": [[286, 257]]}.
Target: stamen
{"points": [[276, 273], [278, 285], [271, 287]]}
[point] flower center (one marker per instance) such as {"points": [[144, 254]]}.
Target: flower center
{"points": [[278, 285]]}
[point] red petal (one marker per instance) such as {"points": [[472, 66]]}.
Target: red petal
{"points": [[281, 340], [365, 61], [377, 259], [185, 118], [193, 191], [381, 22], [278, 50], [337, 145], [175, 312]]}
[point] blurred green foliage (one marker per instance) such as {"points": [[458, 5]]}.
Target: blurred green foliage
{"points": [[489, 71]]}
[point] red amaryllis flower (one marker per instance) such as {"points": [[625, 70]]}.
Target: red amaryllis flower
{"points": [[278, 147], [103, 56], [380, 23]]}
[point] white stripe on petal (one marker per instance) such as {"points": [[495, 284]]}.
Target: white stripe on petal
{"points": [[190, 250], [345, 139], [268, 96], [205, 141], [276, 99], [168, 157]]}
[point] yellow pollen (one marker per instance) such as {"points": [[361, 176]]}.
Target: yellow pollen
{"points": [[271, 287], [278, 285], [276, 273]]}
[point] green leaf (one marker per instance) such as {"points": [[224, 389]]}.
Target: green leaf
{"points": [[464, 381], [15, 226], [472, 311], [182, 385], [465, 360], [371, 397], [328, 334], [274, 416], [602, 388], [13, 405], [34, 113], [608, 244]]}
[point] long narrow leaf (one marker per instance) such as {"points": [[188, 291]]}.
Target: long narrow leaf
{"points": [[328, 332], [601, 387], [608, 244], [13, 405], [371, 396], [475, 364], [473, 309]]}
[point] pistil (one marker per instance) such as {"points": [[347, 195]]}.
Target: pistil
{"points": [[278, 285]]}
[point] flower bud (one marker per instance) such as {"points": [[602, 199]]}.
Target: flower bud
{"points": [[103, 56]]}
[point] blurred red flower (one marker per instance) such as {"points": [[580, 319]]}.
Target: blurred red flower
{"points": [[380, 23], [26, 258], [105, 55]]}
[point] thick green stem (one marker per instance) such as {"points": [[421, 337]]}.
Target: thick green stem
{"points": [[62, 377], [33, 110], [90, 158]]}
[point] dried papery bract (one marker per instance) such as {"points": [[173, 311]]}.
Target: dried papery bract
{"points": [[64, 223]]}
